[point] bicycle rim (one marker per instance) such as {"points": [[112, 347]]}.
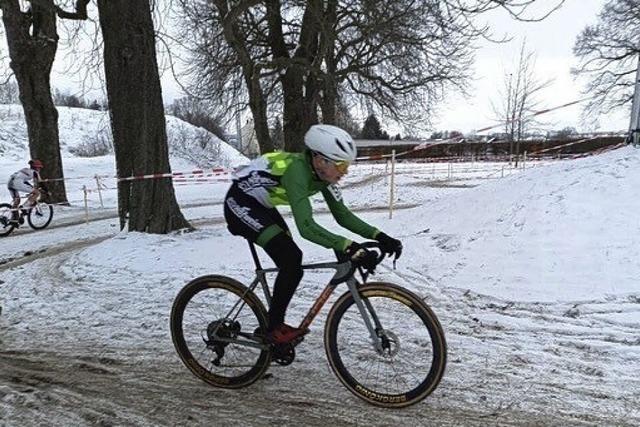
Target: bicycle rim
{"points": [[202, 311], [40, 215], [5, 216], [412, 362]]}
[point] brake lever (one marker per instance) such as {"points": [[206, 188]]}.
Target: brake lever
{"points": [[365, 273], [395, 258]]}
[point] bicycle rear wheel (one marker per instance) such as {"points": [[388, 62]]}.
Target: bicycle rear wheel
{"points": [[40, 215], [215, 326], [6, 214], [412, 359]]}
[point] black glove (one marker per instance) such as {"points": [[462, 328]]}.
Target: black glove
{"points": [[389, 245], [361, 256]]}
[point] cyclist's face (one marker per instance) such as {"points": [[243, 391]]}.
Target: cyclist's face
{"points": [[328, 170]]}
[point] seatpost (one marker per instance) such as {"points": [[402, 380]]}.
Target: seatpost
{"points": [[254, 254]]}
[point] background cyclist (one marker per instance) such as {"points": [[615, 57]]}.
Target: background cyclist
{"points": [[25, 180], [282, 178]]}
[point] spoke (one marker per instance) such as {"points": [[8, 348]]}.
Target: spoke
{"points": [[214, 304], [404, 365]]}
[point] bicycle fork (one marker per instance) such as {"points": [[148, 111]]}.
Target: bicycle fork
{"points": [[368, 314]]}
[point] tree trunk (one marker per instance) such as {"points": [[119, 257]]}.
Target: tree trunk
{"points": [[234, 35], [293, 112], [329, 99], [137, 117], [258, 106], [292, 80], [300, 108], [32, 56]]}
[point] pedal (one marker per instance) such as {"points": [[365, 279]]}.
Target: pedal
{"points": [[284, 354]]}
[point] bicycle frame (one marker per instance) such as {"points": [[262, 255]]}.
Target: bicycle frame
{"points": [[344, 273]]}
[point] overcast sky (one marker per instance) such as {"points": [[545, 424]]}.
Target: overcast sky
{"points": [[552, 40]]}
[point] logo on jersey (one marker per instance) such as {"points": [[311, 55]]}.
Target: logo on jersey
{"points": [[335, 192], [256, 180], [243, 214]]}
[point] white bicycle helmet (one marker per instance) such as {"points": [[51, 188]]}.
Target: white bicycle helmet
{"points": [[332, 142]]}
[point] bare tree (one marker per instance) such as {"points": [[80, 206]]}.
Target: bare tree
{"points": [[608, 51], [9, 93], [519, 99], [137, 117], [198, 113], [301, 57], [33, 41]]}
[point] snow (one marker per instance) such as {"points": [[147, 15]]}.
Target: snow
{"points": [[533, 276]]}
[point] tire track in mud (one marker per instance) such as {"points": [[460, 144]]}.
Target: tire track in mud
{"points": [[98, 216], [33, 255], [67, 389]]}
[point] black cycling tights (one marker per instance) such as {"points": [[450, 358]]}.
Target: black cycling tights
{"points": [[288, 258]]}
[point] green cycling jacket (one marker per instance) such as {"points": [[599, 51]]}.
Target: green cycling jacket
{"points": [[282, 178]]}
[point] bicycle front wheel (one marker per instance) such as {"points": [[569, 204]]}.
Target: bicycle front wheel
{"points": [[40, 215], [6, 214], [216, 327], [408, 359]]}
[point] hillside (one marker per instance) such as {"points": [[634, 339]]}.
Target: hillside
{"points": [[562, 231], [83, 130]]}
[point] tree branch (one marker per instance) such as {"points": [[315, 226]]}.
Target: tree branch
{"points": [[80, 13]]}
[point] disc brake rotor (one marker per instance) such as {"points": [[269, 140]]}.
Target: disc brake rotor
{"points": [[390, 344]]}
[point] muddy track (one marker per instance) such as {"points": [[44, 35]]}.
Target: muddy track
{"points": [[64, 373], [97, 215], [101, 390]]}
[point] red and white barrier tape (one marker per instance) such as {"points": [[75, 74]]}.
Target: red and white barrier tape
{"points": [[426, 145], [418, 147], [197, 172], [535, 113], [182, 175], [568, 144]]}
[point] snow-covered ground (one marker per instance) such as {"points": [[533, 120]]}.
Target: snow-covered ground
{"points": [[533, 276]]}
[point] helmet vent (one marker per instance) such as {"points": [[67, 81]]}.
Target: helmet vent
{"points": [[340, 145]]}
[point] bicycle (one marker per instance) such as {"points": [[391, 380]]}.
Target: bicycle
{"points": [[38, 216], [217, 326]]}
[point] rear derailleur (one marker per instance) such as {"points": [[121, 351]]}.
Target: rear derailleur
{"points": [[221, 329]]}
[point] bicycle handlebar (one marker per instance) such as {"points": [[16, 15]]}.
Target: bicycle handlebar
{"points": [[374, 245], [365, 272]]}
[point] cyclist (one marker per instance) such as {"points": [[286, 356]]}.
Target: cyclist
{"points": [[20, 181], [282, 178]]}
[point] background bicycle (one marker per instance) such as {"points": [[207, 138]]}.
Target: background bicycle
{"points": [[382, 341], [38, 216]]}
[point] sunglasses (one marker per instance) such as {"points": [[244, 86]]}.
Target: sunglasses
{"points": [[341, 166]]}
